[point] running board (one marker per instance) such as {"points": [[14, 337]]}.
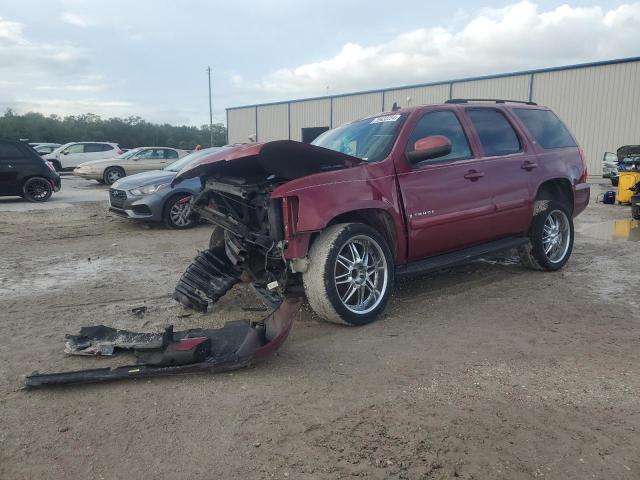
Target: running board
{"points": [[460, 257]]}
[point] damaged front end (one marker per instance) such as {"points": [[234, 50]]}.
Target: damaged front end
{"points": [[251, 225]]}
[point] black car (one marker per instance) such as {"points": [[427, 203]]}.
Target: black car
{"points": [[24, 173]]}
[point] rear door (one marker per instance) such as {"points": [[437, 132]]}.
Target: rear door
{"points": [[98, 151], [509, 163], [447, 200]]}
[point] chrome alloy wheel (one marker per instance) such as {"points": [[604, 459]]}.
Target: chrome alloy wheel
{"points": [[556, 236], [361, 274], [179, 213]]}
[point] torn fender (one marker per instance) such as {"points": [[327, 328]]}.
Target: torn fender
{"points": [[237, 344]]}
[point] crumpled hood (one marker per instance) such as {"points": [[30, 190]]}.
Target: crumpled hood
{"points": [[145, 178], [285, 159]]}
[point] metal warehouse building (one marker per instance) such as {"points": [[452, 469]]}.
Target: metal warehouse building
{"points": [[598, 101]]}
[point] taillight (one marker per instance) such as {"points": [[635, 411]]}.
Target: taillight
{"points": [[50, 165], [583, 177]]}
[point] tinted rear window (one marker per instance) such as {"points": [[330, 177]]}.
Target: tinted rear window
{"points": [[9, 151], [545, 127]]}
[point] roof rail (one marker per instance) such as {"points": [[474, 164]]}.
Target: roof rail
{"points": [[497, 100]]}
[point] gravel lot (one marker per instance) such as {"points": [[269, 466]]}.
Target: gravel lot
{"points": [[485, 371]]}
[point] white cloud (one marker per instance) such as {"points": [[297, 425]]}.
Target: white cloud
{"points": [[18, 54], [75, 19], [515, 37]]}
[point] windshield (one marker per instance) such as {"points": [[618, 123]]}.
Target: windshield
{"points": [[186, 160], [129, 153], [370, 139]]}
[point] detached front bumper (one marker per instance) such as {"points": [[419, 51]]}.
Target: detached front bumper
{"points": [[141, 207]]}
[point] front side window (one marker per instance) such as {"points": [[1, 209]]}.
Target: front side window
{"points": [[545, 127], [497, 136], [370, 139], [76, 148], [447, 125]]}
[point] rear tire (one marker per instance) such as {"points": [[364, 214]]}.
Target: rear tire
{"points": [[177, 214], [37, 189], [350, 275], [550, 237], [112, 175]]}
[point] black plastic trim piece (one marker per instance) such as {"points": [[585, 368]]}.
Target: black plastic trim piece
{"points": [[461, 257]]}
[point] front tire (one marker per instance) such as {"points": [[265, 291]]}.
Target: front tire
{"points": [[350, 275], [112, 175], [551, 237], [177, 213], [37, 189]]}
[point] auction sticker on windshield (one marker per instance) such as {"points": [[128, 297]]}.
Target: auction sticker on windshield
{"points": [[386, 118]]}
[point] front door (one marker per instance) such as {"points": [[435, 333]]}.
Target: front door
{"points": [[447, 200], [148, 159], [11, 164]]}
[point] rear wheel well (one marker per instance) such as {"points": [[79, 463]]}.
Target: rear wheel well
{"points": [[558, 189]]}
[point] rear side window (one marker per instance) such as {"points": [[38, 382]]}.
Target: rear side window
{"points": [[497, 136], [170, 154], [545, 127], [446, 124], [10, 152], [97, 147]]}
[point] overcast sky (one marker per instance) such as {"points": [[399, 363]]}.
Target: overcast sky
{"points": [[148, 57]]}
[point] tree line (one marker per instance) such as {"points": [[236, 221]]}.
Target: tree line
{"points": [[128, 132]]}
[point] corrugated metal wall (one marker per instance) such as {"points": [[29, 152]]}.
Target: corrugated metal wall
{"points": [[351, 107], [599, 104], [273, 122], [311, 113], [417, 96], [241, 124], [512, 88]]}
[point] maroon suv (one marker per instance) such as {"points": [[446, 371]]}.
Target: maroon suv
{"points": [[399, 193]]}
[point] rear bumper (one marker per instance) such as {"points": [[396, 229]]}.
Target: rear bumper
{"points": [[581, 195], [57, 183]]}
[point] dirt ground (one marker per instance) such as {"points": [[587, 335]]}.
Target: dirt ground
{"points": [[486, 371]]}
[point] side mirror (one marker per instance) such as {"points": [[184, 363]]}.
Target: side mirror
{"points": [[64, 153], [427, 148]]}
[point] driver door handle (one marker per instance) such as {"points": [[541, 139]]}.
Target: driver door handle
{"points": [[473, 175], [528, 166]]}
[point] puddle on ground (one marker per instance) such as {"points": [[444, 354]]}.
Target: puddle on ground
{"points": [[628, 230]]}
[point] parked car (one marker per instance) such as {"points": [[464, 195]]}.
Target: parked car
{"points": [[401, 193], [134, 161], [149, 196], [24, 173], [609, 164], [628, 160], [44, 148], [71, 155]]}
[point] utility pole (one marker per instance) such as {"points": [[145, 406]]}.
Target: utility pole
{"points": [[210, 110]]}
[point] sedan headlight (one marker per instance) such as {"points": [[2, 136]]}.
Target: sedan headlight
{"points": [[148, 189]]}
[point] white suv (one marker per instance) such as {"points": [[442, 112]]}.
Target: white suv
{"points": [[73, 154]]}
